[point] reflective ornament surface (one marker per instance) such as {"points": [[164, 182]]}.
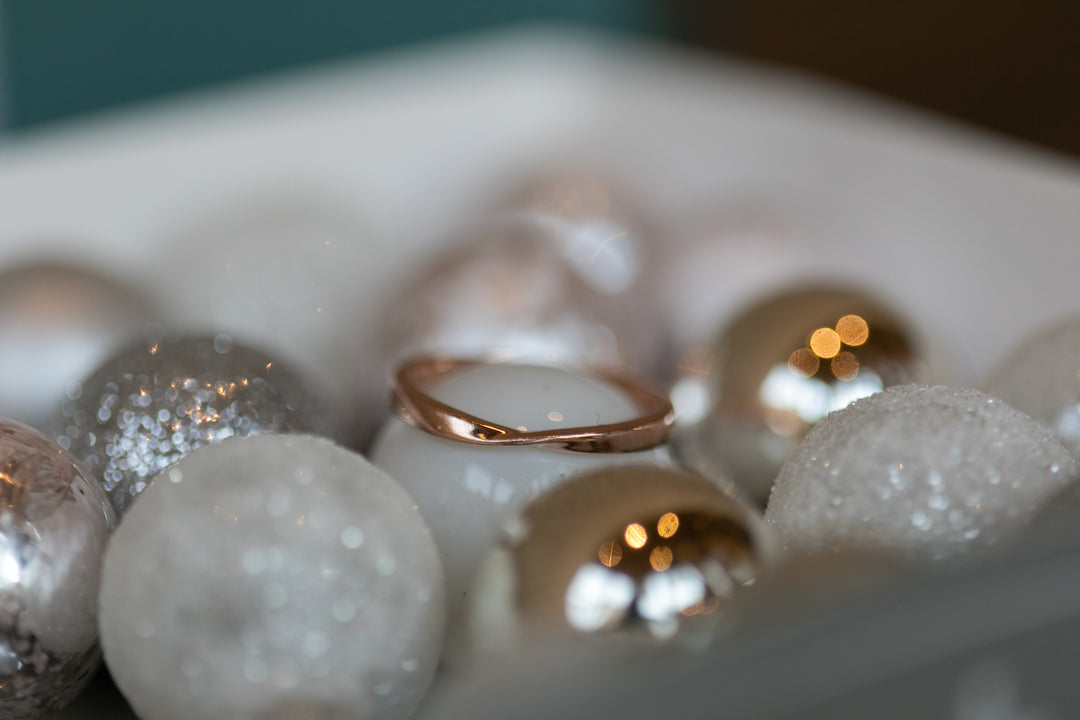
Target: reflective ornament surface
{"points": [[54, 524], [641, 552], [466, 491], [778, 369], [929, 472], [1041, 377], [57, 322], [272, 576], [157, 400], [515, 290]]}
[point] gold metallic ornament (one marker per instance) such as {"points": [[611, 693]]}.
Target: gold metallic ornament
{"points": [[777, 369], [636, 552]]}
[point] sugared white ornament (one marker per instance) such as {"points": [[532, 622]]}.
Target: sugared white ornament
{"points": [[271, 574], [1042, 378], [924, 471], [465, 491], [54, 524]]}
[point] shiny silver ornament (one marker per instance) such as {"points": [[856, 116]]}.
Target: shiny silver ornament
{"points": [[57, 322], [513, 291], [778, 369], [156, 401], [54, 524], [634, 551]]}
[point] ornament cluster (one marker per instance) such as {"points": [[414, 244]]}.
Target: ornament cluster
{"points": [[241, 538]]}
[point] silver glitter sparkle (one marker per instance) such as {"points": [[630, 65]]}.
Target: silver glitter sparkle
{"points": [[54, 524], [925, 471], [156, 401]]}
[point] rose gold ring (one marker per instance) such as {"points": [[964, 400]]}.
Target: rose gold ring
{"points": [[413, 405]]}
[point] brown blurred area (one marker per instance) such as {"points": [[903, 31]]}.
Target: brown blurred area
{"points": [[1013, 67]]}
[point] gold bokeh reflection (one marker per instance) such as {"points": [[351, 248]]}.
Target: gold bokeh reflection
{"points": [[845, 366], [853, 330], [668, 525], [825, 342], [660, 558], [803, 362], [610, 553], [689, 568], [636, 536]]}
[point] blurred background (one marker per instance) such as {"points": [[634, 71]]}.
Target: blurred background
{"points": [[1010, 67]]}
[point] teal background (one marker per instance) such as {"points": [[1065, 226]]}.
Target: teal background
{"points": [[60, 58]]}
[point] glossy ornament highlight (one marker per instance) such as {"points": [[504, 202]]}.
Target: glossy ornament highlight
{"points": [[157, 400], [637, 552], [54, 524], [778, 369], [928, 472], [272, 576]]}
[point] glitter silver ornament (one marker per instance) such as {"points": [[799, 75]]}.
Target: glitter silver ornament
{"points": [[54, 524], [466, 491], [776, 370], [57, 322], [1041, 377], [512, 292], [159, 399], [272, 576], [636, 552], [924, 471]]}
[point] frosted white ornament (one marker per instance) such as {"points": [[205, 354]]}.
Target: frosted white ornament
{"points": [[271, 574], [1042, 378], [465, 492], [925, 471]]}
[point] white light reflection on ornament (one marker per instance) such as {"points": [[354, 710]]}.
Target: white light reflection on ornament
{"points": [[598, 598]]}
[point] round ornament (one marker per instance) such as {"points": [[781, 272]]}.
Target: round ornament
{"points": [[160, 398], [512, 292], [57, 322], [923, 471], [464, 489], [272, 576], [1042, 378], [54, 524], [635, 552], [778, 369]]}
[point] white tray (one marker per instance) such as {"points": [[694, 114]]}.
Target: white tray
{"points": [[975, 238]]}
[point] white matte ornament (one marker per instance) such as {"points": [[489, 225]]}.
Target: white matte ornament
{"points": [[466, 491], [925, 471], [1042, 378], [272, 576]]}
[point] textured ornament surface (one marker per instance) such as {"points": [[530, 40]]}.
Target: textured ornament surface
{"points": [[1042, 378], [777, 369], [57, 323], [159, 399], [639, 552], [54, 524], [926, 471], [466, 491], [272, 575]]}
